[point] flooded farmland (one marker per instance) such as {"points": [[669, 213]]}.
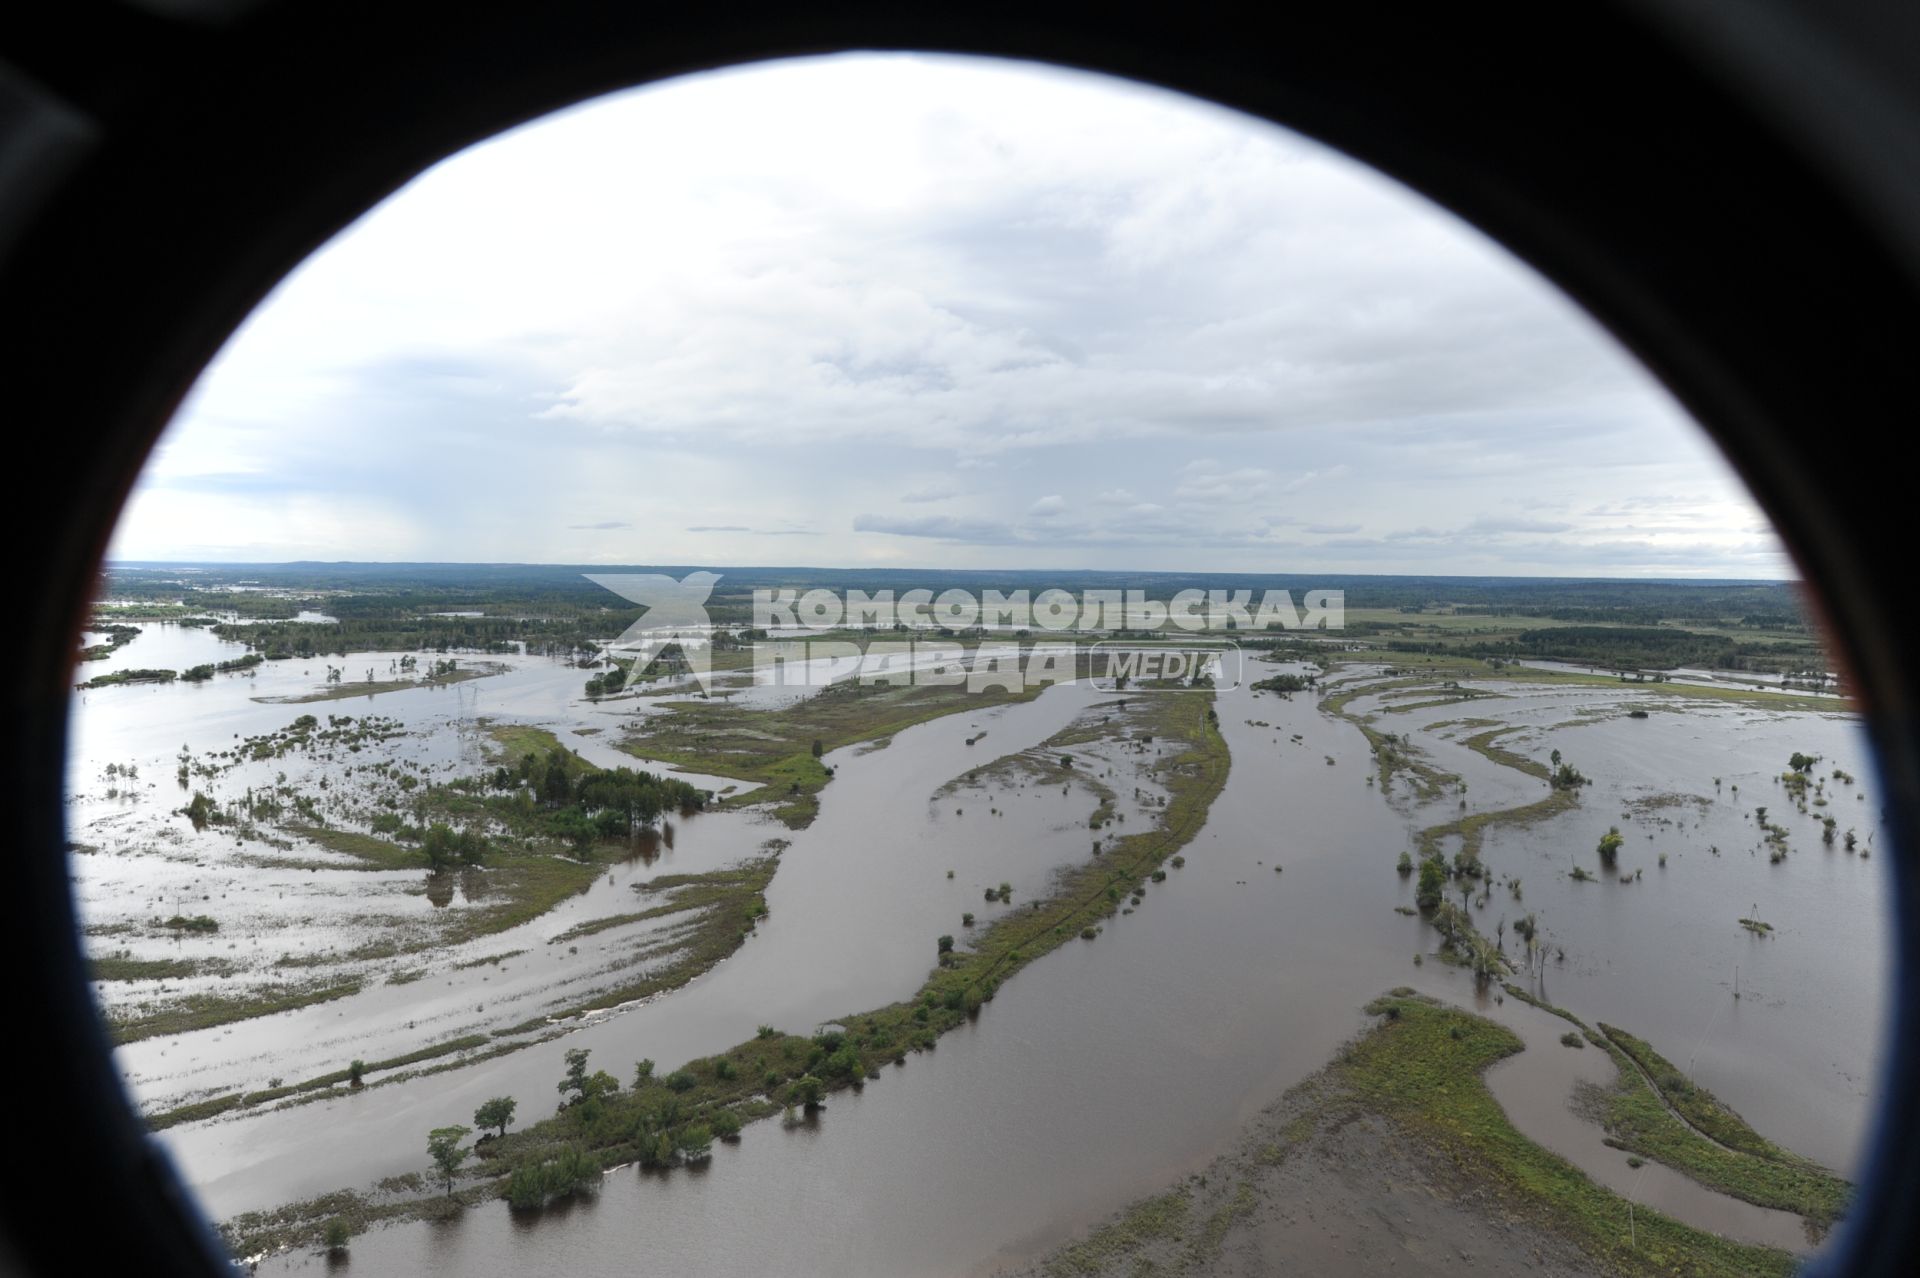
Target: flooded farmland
{"points": [[1100, 1072]]}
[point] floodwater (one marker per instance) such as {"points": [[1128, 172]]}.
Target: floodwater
{"points": [[1109, 1067]]}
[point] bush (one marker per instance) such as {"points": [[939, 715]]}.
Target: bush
{"points": [[1572, 1039], [338, 1235], [571, 1171], [806, 1092], [696, 1143], [681, 1081]]}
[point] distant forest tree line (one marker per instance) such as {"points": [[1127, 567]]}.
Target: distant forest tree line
{"points": [[1636, 648], [556, 609]]}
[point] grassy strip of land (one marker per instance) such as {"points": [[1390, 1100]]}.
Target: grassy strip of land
{"points": [[1473, 826], [593, 926], [1418, 1075], [371, 851], [1651, 1111], [729, 902], [1640, 1117], [662, 1119], [114, 967], [1423, 1066], [345, 691], [205, 1011], [519, 888], [220, 1104], [1482, 744], [1411, 670], [774, 749], [1392, 753], [128, 676], [1697, 1105], [1163, 1217]]}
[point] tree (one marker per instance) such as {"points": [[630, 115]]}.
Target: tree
{"points": [[576, 1085], [439, 845], [356, 1072], [819, 747], [946, 945], [496, 1113], [1433, 881], [1610, 846], [338, 1236], [443, 1145], [554, 786], [643, 1073]]}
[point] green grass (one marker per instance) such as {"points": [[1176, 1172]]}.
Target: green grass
{"points": [[1482, 743], [513, 740], [773, 748], [346, 691], [520, 885], [120, 968], [1413, 670], [1423, 1068], [1652, 1110], [1472, 828], [726, 904], [1143, 1223], [519, 890], [221, 1104], [204, 1011], [1709, 1142], [1697, 1105], [371, 851]]}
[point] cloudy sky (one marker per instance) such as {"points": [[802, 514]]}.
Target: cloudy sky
{"points": [[919, 311]]}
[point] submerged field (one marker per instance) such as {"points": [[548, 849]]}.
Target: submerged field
{"points": [[874, 939]]}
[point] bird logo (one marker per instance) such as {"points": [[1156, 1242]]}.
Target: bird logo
{"points": [[676, 613]]}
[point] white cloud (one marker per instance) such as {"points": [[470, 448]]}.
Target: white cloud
{"points": [[694, 322], [1051, 506]]}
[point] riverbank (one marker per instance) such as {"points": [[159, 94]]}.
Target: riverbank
{"points": [[1398, 1152]]}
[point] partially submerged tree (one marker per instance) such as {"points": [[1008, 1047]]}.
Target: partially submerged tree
{"points": [[1433, 881], [443, 1146]]}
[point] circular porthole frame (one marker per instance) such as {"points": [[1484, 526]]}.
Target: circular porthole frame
{"points": [[1732, 190]]}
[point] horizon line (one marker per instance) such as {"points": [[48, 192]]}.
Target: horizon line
{"points": [[110, 565]]}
